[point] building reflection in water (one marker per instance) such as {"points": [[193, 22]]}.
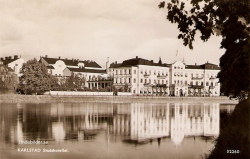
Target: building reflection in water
{"points": [[129, 122]]}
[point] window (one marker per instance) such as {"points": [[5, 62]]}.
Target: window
{"points": [[197, 75], [207, 75], [125, 71], [186, 74], [120, 80], [207, 84], [116, 72], [120, 71], [191, 75], [128, 80], [166, 81], [216, 84], [174, 67], [141, 80], [211, 83], [196, 83], [162, 81], [185, 82], [129, 71], [16, 64], [134, 80], [145, 80], [134, 71], [191, 83], [149, 81], [115, 80], [202, 83]]}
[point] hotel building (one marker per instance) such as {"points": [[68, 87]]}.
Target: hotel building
{"points": [[141, 76], [144, 77]]}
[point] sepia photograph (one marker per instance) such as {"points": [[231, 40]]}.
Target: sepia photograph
{"points": [[124, 79]]}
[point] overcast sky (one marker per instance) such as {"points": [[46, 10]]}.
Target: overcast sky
{"points": [[95, 30]]}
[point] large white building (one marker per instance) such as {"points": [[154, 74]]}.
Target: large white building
{"points": [[144, 77], [141, 76]]}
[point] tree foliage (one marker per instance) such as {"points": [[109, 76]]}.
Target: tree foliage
{"points": [[227, 18], [35, 78], [73, 82], [8, 80]]}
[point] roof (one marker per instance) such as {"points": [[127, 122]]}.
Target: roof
{"points": [[207, 66], [86, 70], [50, 67], [137, 61], [6, 62], [72, 62]]}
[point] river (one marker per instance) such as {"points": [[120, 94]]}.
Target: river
{"points": [[93, 130]]}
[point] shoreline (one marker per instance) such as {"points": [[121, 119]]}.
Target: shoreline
{"points": [[17, 98]]}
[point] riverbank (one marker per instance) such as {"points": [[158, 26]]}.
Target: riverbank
{"points": [[234, 139], [17, 98]]}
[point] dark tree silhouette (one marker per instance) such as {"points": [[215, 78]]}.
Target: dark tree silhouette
{"points": [[227, 18]]}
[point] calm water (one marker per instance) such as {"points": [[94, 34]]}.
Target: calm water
{"points": [[110, 130]]}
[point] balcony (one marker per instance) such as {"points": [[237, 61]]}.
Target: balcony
{"points": [[197, 78], [211, 87], [212, 78], [161, 76], [146, 75]]}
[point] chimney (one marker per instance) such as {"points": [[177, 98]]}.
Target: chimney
{"points": [[46, 56], [59, 57], [136, 57], [15, 57], [115, 62], [9, 57], [6, 58], [107, 64], [195, 64], [152, 61]]}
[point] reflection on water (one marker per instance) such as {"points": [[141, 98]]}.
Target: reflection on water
{"points": [[126, 123]]}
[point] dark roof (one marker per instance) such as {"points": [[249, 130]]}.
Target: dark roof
{"points": [[72, 62], [86, 70], [6, 62], [50, 67], [137, 61], [207, 66]]}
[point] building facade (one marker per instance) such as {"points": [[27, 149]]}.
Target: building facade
{"points": [[140, 76], [143, 77], [93, 73], [194, 80], [14, 63]]}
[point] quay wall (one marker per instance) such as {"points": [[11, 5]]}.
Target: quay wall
{"points": [[17, 98]]}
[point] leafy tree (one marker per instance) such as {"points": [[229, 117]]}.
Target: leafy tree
{"points": [[227, 18], [35, 78], [8, 80], [74, 82]]}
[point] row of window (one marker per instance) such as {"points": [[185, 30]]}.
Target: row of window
{"points": [[181, 74], [197, 83], [145, 81]]}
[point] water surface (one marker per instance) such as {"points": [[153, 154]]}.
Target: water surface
{"points": [[110, 130]]}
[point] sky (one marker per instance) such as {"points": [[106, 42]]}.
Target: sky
{"points": [[96, 30]]}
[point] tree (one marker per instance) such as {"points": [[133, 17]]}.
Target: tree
{"points": [[74, 82], [8, 80], [227, 18], [35, 78]]}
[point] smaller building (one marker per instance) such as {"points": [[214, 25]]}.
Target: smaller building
{"points": [[14, 63], [194, 80]]}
